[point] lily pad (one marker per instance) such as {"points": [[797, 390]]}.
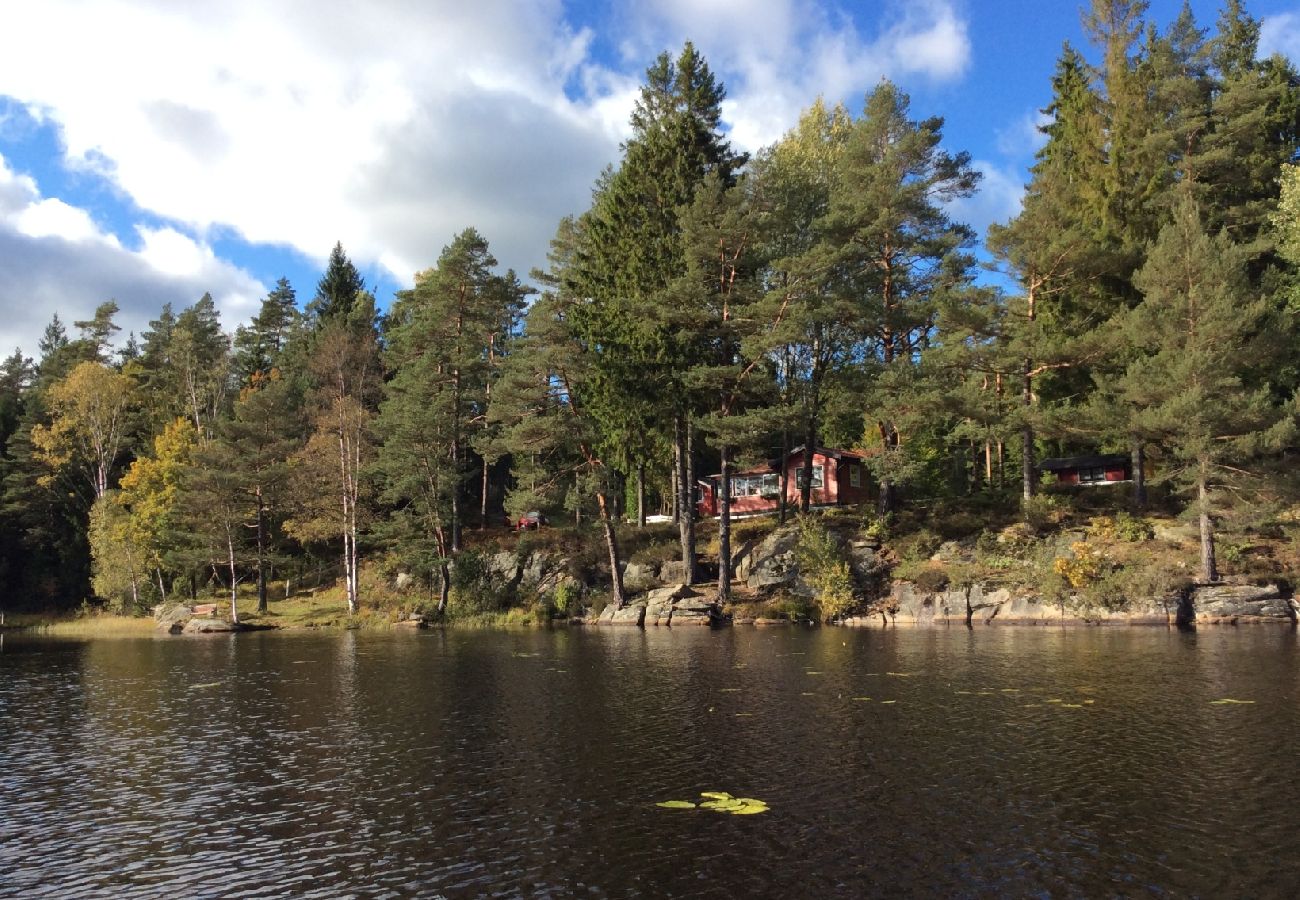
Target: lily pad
{"points": [[1227, 700], [676, 804], [716, 795]]}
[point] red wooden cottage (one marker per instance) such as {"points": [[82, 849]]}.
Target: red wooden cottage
{"points": [[1103, 469], [839, 478]]}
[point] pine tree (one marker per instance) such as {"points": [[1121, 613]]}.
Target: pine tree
{"points": [[1195, 325], [896, 244], [814, 335]]}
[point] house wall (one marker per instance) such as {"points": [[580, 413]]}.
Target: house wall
{"points": [[836, 488], [1071, 476]]}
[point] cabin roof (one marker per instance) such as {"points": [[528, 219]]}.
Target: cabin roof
{"points": [[1099, 460]]}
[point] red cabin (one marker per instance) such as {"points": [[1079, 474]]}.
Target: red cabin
{"points": [[1086, 470], [839, 478]]}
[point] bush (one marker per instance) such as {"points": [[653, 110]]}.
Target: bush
{"points": [[823, 567], [1123, 527], [1084, 566], [1041, 511]]}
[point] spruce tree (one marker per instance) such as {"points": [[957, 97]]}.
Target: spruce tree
{"points": [[338, 291]]}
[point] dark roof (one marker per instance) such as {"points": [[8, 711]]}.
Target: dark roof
{"points": [[831, 452], [1084, 462]]}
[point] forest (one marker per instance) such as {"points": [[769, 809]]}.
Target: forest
{"points": [[708, 311]]}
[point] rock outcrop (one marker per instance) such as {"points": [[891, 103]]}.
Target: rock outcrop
{"points": [[676, 605], [1242, 603], [980, 605], [210, 626]]}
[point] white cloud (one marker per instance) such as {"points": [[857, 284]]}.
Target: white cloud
{"points": [[1025, 136], [54, 218], [781, 54], [1280, 34], [63, 262], [276, 119], [1000, 195], [393, 125]]}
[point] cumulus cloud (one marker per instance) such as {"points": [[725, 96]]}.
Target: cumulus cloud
{"points": [[391, 126], [1000, 195], [61, 261], [1280, 34], [780, 54], [1025, 136], [283, 121]]}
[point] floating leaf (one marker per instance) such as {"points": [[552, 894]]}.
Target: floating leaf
{"points": [[722, 805], [1071, 706], [676, 804], [888, 701], [1227, 700], [1011, 690], [744, 715], [860, 698], [723, 802], [811, 672], [900, 674], [210, 684], [1089, 702]]}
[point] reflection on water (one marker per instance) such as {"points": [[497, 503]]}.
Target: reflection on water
{"points": [[1000, 761]]}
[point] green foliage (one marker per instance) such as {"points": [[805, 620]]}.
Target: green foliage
{"points": [[1041, 511], [1123, 526], [823, 566]]}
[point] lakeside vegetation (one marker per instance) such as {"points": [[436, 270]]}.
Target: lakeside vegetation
{"points": [[709, 312]]}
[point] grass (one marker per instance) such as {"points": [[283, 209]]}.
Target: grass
{"points": [[99, 626]]}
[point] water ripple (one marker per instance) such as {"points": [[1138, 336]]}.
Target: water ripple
{"points": [[999, 762]]}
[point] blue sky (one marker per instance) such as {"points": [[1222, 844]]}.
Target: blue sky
{"points": [[151, 150]]}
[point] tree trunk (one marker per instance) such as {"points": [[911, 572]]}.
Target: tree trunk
{"points": [[685, 490], [805, 479], [483, 499], [455, 496], [640, 494], [611, 545], [1139, 476], [234, 584], [261, 553], [785, 475], [724, 527], [444, 586], [1209, 568]]}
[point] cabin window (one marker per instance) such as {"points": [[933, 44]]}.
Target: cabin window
{"points": [[855, 476], [1092, 475], [755, 486], [817, 481]]}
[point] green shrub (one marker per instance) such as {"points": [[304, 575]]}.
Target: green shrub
{"points": [[823, 566], [1041, 510]]}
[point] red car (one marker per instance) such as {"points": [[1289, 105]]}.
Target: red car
{"points": [[531, 521]]}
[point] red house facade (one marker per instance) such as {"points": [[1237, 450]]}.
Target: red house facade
{"points": [[839, 478], [1086, 470]]}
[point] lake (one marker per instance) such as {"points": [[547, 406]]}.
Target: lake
{"points": [[995, 762]]}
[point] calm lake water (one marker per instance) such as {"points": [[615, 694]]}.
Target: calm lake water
{"points": [[995, 762]]}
